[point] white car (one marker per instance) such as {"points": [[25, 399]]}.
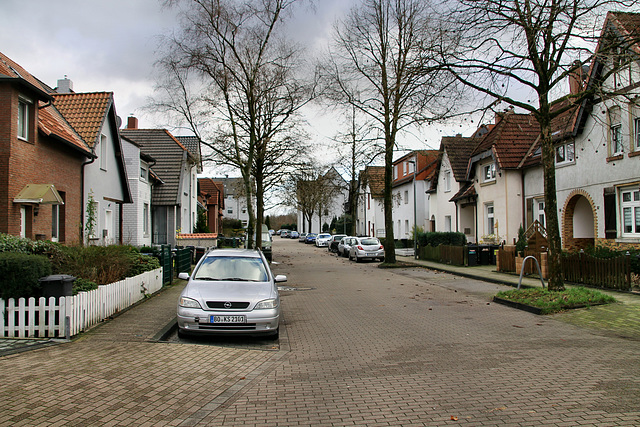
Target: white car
{"points": [[345, 245], [366, 248], [322, 240]]}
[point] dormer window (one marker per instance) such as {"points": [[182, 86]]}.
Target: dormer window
{"points": [[489, 172], [144, 172]]}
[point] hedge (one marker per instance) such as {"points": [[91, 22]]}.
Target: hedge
{"points": [[436, 238], [20, 273]]}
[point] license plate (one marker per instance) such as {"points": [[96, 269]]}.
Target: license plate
{"points": [[371, 254], [227, 319]]}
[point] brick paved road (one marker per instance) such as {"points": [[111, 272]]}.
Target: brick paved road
{"points": [[363, 347]]}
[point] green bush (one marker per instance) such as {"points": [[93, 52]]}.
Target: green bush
{"points": [[20, 273], [83, 285], [436, 238]]}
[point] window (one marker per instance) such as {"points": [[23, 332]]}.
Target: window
{"points": [[447, 223], [24, 118], [616, 143], [565, 153], [406, 197], [395, 172], [631, 212], [406, 226], [405, 167], [540, 209], [447, 181], [55, 222], [145, 219], [103, 152], [636, 134], [489, 172], [229, 211], [144, 172], [490, 222]]}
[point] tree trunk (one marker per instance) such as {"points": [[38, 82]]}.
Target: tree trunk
{"points": [[389, 246], [556, 281]]}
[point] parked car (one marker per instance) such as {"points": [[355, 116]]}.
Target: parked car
{"points": [[267, 243], [366, 248], [311, 238], [322, 240], [272, 232], [284, 234], [231, 291], [303, 237], [294, 235], [345, 245], [333, 243]]}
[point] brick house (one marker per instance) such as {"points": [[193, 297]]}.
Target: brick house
{"points": [[212, 199], [41, 161]]}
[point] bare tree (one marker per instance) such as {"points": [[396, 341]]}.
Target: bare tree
{"points": [[357, 148], [249, 92], [382, 63], [521, 52]]}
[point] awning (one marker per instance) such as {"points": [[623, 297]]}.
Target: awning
{"points": [[39, 194]]}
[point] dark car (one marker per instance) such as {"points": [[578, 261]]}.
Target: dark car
{"points": [[311, 238], [333, 243]]}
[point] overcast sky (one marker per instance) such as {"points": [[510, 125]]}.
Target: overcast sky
{"points": [[110, 45]]}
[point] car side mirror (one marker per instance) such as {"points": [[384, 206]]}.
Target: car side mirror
{"points": [[183, 276], [281, 278]]}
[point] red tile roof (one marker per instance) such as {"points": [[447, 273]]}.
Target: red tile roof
{"points": [[52, 124], [86, 112], [374, 177], [11, 69]]}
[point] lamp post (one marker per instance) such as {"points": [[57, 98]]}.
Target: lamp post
{"points": [[415, 208]]}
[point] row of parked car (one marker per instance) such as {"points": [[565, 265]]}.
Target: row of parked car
{"points": [[352, 247]]}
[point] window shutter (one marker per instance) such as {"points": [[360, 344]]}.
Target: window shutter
{"points": [[610, 226]]}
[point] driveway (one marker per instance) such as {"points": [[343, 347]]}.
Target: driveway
{"points": [[360, 346]]}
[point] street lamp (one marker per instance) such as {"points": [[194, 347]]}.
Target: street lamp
{"points": [[415, 214]]}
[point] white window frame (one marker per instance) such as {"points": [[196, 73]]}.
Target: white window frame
{"points": [[103, 152], [616, 139], [636, 133], [55, 223], [406, 197], [24, 119], [145, 219], [447, 181], [490, 219], [447, 223], [540, 214], [630, 211], [565, 153], [489, 172], [144, 172], [395, 171]]}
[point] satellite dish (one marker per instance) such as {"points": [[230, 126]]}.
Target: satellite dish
{"points": [[118, 122]]}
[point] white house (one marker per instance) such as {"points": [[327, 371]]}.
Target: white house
{"points": [[370, 219], [334, 206], [413, 174]]}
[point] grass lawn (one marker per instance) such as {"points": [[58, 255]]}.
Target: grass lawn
{"points": [[552, 301]]}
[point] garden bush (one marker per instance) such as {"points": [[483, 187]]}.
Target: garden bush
{"points": [[436, 238], [20, 273]]}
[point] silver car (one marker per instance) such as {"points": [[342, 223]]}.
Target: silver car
{"points": [[322, 240], [231, 291], [366, 248], [345, 245]]}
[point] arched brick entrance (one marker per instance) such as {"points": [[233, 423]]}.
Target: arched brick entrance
{"points": [[579, 221]]}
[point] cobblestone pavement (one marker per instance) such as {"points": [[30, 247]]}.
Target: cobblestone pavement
{"points": [[360, 346]]}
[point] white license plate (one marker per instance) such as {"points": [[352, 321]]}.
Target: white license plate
{"points": [[227, 319], [371, 254]]}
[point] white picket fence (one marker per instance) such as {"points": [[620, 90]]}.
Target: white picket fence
{"points": [[67, 316]]}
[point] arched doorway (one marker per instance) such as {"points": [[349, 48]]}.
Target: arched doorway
{"points": [[579, 221]]}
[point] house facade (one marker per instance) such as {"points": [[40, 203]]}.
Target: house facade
{"points": [[105, 180], [41, 158], [328, 208], [212, 199], [413, 174], [370, 220], [235, 202], [174, 198]]}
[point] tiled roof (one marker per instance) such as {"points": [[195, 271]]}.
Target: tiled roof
{"points": [[86, 112], [459, 151], [510, 139], [51, 123], [628, 26], [427, 165], [468, 190], [168, 152], [12, 70], [192, 144], [374, 177], [212, 189]]}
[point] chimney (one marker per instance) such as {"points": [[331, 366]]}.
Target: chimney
{"points": [[64, 85], [576, 79], [132, 122]]}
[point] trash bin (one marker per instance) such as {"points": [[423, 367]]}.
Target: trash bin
{"points": [[57, 285], [199, 253], [485, 253], [472, 258]]}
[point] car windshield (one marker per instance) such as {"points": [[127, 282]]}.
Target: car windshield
{"points": [[240, 269], [324, 236], [370, 242]]}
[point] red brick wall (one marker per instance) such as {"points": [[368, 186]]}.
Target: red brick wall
{"points": [[42, 160]]}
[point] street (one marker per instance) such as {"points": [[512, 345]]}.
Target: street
{"points": [[359, 345]]}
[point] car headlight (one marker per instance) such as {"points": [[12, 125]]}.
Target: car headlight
{"points": [[267, 304], [189, 303]]}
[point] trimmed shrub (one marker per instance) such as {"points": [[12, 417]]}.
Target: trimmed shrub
{"points": [[20, 273], [83, 285], [436, 238]]}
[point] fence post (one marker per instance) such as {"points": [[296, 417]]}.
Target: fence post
{"points": [[627, 265]]}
